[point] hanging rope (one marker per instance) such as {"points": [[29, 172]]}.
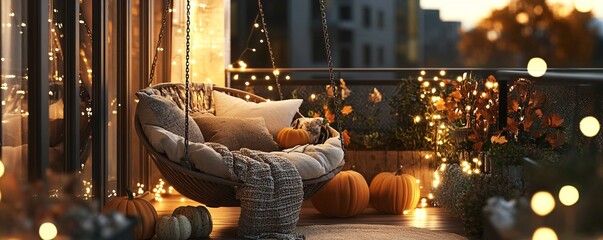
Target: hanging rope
{"points": [[185, 161], [161, 31], [336, 100], [275, 70]]}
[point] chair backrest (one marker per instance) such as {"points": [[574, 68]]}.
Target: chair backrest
{"points": [[201, 99]]}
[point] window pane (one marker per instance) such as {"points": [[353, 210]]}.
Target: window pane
{"points": [[366, 14], [14, 87], [345, 12]]}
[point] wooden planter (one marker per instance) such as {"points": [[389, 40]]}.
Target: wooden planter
{"points": [[371, 163]]}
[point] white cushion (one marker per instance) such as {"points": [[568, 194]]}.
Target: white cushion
{"points": [[201, 156], [276, 114], [311, 161]]}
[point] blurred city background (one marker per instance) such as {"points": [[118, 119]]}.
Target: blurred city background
{"points": [[422, 33]]}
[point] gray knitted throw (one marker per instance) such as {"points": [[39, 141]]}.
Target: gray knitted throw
{"points": [[271, 195]]}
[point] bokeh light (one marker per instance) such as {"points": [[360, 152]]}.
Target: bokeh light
{"points": [[1, 169], [537, 67], [522, 18], [589, 126], [584, 6], [542, 203], [544, 233], [568, 195], [48, 231]]}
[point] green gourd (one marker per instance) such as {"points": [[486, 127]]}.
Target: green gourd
{"points": [[176, 227], [200, 219]]}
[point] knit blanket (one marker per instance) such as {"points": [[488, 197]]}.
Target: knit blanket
{"points": [[271, 195]]}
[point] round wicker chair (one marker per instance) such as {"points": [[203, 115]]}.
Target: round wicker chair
{"points": [[205, 188]]}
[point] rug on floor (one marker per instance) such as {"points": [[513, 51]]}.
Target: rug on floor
{"points": [[370, 231]]}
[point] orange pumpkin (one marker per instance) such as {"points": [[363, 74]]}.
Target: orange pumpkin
{"points": [[394, 192], [289, 137], [346, 195], [10, 190], [139, 208]]}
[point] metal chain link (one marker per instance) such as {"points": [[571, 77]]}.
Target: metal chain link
{"points": [[161, 31], [278, 84], [185, 161], [336, 100]]}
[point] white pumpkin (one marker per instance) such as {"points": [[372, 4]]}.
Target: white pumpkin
{"points": [[176, 227], [200, 219]]}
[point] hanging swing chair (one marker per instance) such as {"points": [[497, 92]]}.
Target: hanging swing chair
{"points": [[202, 187]]}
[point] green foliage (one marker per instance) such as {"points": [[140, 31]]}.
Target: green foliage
{"points": [[508, 154], [453, 186], [472, 203], [466, 195], [405, 104]]}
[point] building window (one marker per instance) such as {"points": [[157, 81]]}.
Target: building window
{"points": [[380, 19], [367, 55], [366, 13], [346, 58], [346, 36], [345, 12], [380, 56]]}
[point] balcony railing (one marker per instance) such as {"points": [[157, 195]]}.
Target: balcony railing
{"points": [[572, 93]]}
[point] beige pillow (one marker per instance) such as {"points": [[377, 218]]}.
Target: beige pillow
{"points": [[276, 114], [237, 133]]}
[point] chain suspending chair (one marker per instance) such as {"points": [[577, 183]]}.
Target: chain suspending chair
{"points": [[205, 188]]}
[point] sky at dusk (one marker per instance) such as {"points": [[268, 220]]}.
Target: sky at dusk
{"points": [[469, 12]]}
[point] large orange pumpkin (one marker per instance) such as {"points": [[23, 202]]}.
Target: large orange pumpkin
{"points": [[346, 195], [139, 208], [394, 192], [289, 137]]}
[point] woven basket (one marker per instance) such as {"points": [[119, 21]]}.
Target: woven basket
{"points": [[203, 187]]}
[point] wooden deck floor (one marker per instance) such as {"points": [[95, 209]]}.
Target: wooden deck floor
{"points": [[225, 218]]}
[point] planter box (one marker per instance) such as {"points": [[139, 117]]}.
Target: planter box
{"points": [[371, 163]]}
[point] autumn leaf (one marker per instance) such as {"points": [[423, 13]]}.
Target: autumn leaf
{"points": [[527, 123], [456, 95], [473, 137], [514, 105], [346, 138], [478, 146], [440, 105], [538, 100], [555, 140], [555, 120], [346, 110], [537, 134], [329, 90], [538, 113], [345, 91], [512, 125], [330, 116], [500, 139], [375, 97]]}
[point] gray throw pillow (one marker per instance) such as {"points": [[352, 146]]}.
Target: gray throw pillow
{"points": [[158, 111], [237, 133]]}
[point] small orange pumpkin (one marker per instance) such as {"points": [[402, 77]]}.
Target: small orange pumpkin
{"points": [[139, 208], [394, 192], [346, 195], [289, 137]]}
